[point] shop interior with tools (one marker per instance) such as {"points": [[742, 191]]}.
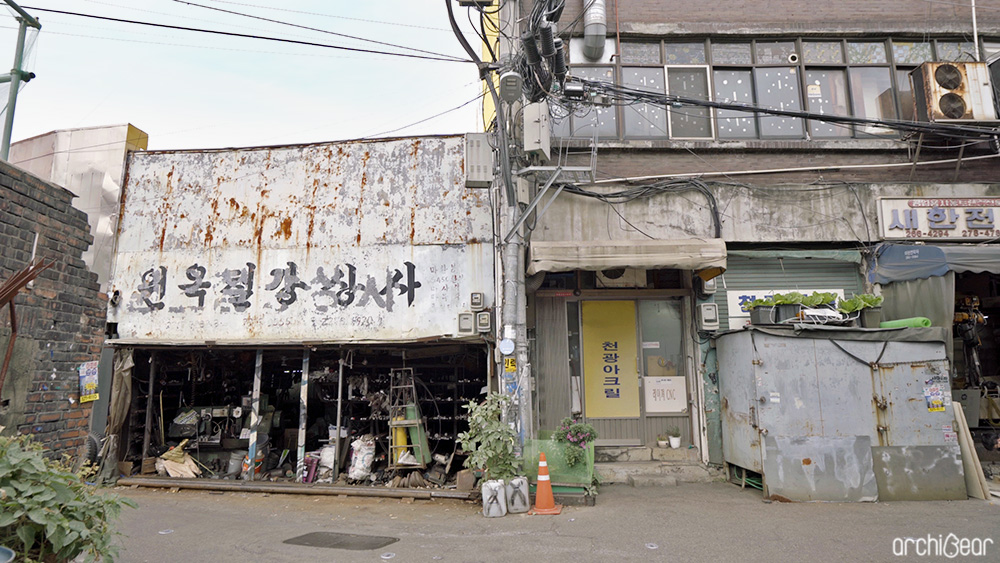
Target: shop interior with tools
{"points": [[976, 354], [373, 416]]}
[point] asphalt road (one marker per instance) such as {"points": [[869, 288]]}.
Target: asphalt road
{"points": [[690, 522]]}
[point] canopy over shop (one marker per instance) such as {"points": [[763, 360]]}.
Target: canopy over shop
{"points": [[283, 300]]}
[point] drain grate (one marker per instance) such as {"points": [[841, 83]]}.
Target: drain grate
{"points": [[333, 540]]}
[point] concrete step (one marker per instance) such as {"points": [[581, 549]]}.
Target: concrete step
{"points": [[652, 480], [619, 472], [608, 454]]}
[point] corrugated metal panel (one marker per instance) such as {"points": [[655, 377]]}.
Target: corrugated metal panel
{"points": [[656, 425], [804, 275], [617, 431], [339, 242], [552, 345]]}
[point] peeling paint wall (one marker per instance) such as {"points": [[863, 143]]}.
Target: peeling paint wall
{"points": [[791, 213], [338, 242]]}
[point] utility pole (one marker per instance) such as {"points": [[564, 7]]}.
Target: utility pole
{"points": [[16, 76]]}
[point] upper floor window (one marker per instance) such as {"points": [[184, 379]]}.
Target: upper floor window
{"points": [[854, 77]]}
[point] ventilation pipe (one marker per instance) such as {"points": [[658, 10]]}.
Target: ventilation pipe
{"points": [[595, 30]]}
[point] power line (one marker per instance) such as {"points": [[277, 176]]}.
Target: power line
{"points": [[249, 36], [246, 5], [269, 20], [944, 130], [478, 97]]}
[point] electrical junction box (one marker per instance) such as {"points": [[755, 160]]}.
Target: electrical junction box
{"points": [[707, 316], [478, 161], [484, 321], [477, 301], [511, 85], [466, 323], [537, 133], [709, 287]]}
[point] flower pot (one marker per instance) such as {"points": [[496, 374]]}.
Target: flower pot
{"points": [[786, 311], [871, 317], [675, 442], [761, 315], [662, 443]]}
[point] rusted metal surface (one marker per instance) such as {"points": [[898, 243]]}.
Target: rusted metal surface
{"points": [[820, 406], [373, 241]]}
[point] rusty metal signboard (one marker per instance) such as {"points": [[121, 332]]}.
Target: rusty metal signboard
{"points": [[373, 241]]}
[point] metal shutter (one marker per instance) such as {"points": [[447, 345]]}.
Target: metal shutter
{"points": [[804, 275]]}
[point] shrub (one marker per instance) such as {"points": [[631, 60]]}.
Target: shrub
{"points": [[47, 512], [490, 441]]}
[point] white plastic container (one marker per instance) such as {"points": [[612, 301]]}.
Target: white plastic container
{"points": [[517, 495], [494, 499]]}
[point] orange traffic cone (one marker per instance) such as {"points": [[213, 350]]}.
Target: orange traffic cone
{"points": [[545, 503]]}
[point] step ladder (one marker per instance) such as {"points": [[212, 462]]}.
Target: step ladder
{"points": [[405, 423]]}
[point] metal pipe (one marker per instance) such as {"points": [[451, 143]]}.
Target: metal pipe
{"points": [[290, 488], [15, 83], [31, 21], [254, 415], [595, 29], [300, 451], [975, 32], [149, 406], [340, 393]]}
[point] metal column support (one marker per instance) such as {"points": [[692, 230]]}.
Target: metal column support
{"points": [[300, 452], [254, 415], [340, 393], [149, 406], [15, 84], [534, 203]]}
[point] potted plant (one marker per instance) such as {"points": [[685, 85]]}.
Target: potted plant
{"points": [[576, 435], [663, 441], [871, 313], [489, 444], [674, 437], [787, 305], [761, 311], [867, 308]]}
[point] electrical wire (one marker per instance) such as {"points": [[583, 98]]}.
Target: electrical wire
{"points": [[458, 107], [624, 94], [297, 26], [250, 36]]}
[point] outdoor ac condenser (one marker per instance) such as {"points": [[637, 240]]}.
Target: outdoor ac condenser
{"points": [[945, 92], [621, 277]]}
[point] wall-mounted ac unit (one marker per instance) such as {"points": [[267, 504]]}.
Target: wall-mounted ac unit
{"points": [[944, 92], [621, 277]]}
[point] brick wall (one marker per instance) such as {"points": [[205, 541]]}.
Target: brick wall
{"points": [[783, 16], [60, 320]]}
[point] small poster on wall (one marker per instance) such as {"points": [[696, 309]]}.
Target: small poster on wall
{"points": [[665, 395], [88, 382]]}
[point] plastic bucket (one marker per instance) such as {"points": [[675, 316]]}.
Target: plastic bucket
{"points": [[258, 461], [6, 555]]}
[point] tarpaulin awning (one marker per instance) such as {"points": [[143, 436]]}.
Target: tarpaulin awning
{"points": [[852, 256], [683, 254], [902, 262]]}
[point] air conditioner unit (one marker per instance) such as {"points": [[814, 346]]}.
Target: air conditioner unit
{"points": [[944, 92], [621, 277]]}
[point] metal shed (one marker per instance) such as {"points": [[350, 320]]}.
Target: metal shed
{"points": [[840, 414]]}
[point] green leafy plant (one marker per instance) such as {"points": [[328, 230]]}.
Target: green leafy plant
{"points": [[859, 302], [48, 513], [817, 299], [490, 441], [765, 302], [576, 435], [791, 298], [871, 300]]}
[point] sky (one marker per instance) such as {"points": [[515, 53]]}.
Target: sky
{"points": [[191, 90]]}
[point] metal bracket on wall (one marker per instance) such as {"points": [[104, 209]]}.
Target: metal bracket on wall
{"points": [[534, 203]]}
